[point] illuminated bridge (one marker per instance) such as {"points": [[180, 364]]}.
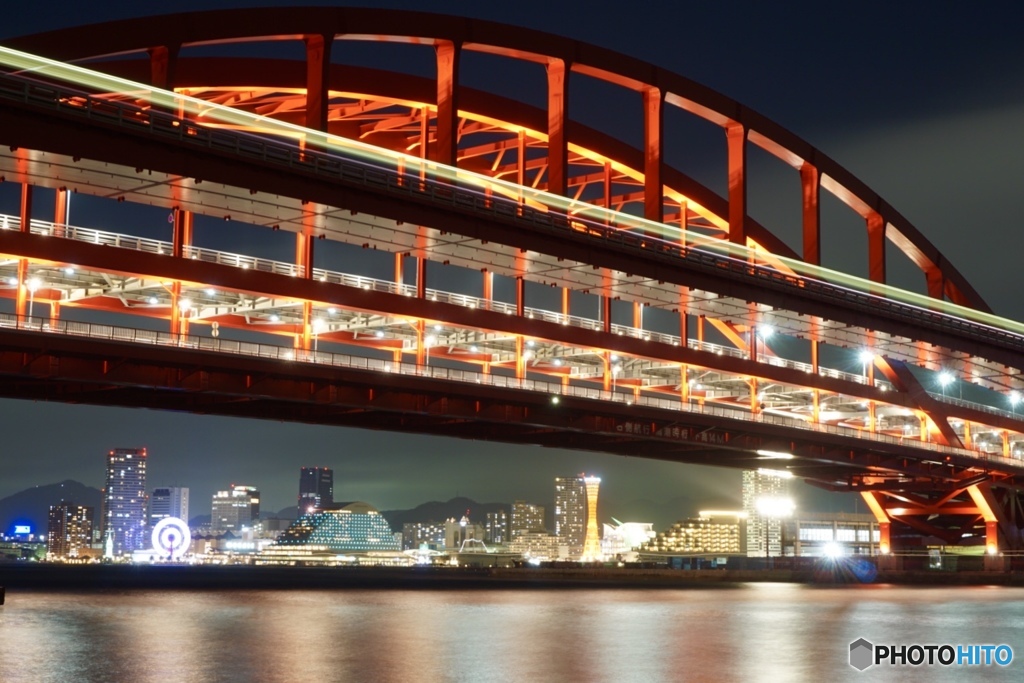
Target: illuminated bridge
{"points": [[462, 263]]}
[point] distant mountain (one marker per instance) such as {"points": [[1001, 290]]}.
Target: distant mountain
{"points": [[198, 521], [32, 506], [437, 511]]}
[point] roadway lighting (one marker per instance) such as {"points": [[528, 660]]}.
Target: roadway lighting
{"points": [[69, 271], [530, 343], [1014, 400], [945, 378], [379, 334], [866, 357], [473, 349], [318, 326], [210, 291], [332, 310], [775, 455], [274, 317], [12, 281], [527, 355], [764, 332], [616, 369], [427, 343], [184, 305], [153, 301], [555, 400], [557, 362], [437, 328], [615, 357]]}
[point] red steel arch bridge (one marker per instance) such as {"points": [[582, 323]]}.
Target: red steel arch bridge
{"points": [[470, 265]]}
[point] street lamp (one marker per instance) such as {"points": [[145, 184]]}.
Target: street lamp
{"points": [[318, 326], [769, 508], [184, 305], [427, 342], [945, 378], [616, 369], [32, 284], [764, 332], [866, 358], [1014, 400]]}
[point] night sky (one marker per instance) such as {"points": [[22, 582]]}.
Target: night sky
{"points": [[924, 101]]}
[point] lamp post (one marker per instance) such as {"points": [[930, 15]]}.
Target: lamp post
{"points": [[427, 342], [184, 305], [764, 332], [945, 378], [616, 369], [32, 284], [318, 326], [866, 357], [1014, 400], [773, 507]]}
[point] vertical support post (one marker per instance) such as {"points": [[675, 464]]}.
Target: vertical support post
{"points": [[305, 340], [318, 66], [21, 300], [700, 331], [558, 149], [520, 361], [885, 537], [924, 426], [520, 296], [446, 147], [810, 181], [607, 377], [606, 313], [638, 315], [163, 62], [876, 247], [421, 350], [936, 282], [304, 255], [175, 310], [60, 211], [27, 192], [421, 277], [607, 190], [654, 203], [565, 303], [182, 238], [684, 383], [399, 270], [991, 537], [1006, 443], [967, 434], [871, 416], [488, 288], [754, 402], [54, 313], [521, 162], [736, 138]]}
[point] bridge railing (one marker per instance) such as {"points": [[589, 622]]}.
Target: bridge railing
{"points": [[354, 162], [554, 389]]}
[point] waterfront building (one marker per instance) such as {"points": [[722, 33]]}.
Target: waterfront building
{"points": [[231, 510], [536, 545], [458, 532], [712, 532], [352, 533], [316, 489], [764, 525], [526, 517], [571, 513], [418, 534], [820, 534], [170, 501], [623, 538], [592, 542], [496, 527], [123, 516], [69, 530]]}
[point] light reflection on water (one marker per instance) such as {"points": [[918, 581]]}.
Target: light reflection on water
{"points": [[770, 632]]}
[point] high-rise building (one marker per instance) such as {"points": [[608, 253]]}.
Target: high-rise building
{"points": [[235, 509], [168, 502], [124, 502], [316, 489], [497, 527], [69, 529], [571, 513], [526, 517], [592, 542], [766, 502], [416, 534]]}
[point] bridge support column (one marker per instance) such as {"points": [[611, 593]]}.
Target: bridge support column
{"points": [[810, 181], [163, 61], [21, 297], [54, 313], [755, 402], [488, 278], [606, 380], [967, 434], [684, 383], [871, 417], [558, 108], [565, 303], [399, 275], [520, 297], [421, 349], [654, 202], [638, 316], [60, 211], [606, 313], [520, 358], [446, 146], [304, 340], [815, 394], [736, 139], [421, 277], [182, 237]]}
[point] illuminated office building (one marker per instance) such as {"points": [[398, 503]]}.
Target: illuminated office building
{"points": [[497, 527], [571, 513], [592, 541], [526, 517], [351, 533], [124, 523], [69, 529], [760, 486], [234, 509], [316, 489], [168, 502], [710, 533], [418, 534]]}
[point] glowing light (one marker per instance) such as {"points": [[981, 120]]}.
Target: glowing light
{"points": [[832, 550], [765, 331], [332, 310], [274, 317], [184, 305], [866, 356], [775, 506], [210, 291], [945, 378], [153, 301], [379, 334], [69, 271], [782, 474], [555, 400], [33, 284], [1014, 398], [777, 455]]}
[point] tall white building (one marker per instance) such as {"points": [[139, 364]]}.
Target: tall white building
{"points": [[235, 508], [124, 502], [525, 517], [766, 502], [169, 501], [571, 513]]}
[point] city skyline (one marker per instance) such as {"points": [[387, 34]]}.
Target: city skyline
{"points": [[840, 123]]}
